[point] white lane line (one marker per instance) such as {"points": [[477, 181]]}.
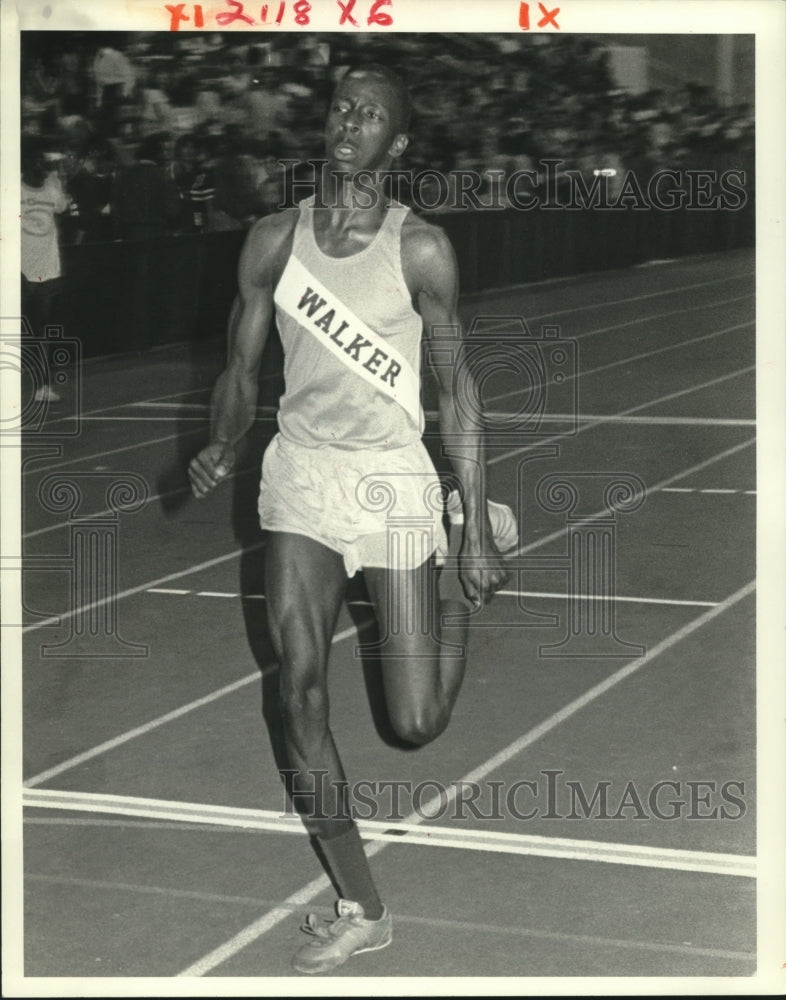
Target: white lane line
{"points": [[604, 597], [533, 545], [655, 488], [630, 359], [498, 292], [125, 824], [161, 402], [596, 422], [613, 418], [125, 419], [265, 923], [161, 720], [213, 593], [261, 407], [445, 925], [271, 411], [698, 490], [667, 315], [602, 687], [119, 406], [208, 564], [167, 418], [312, 889], [639, 320], [117, 741], [267, 409], [153, 496], [32, 468], [147, 404], [204, 390], [410, 834], [536, 441], [500, 593]]}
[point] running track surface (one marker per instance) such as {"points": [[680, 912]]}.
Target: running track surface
{"points": [[157, 840]]}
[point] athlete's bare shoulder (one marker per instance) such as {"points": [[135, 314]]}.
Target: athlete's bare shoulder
{"points": [[426, 252], [267, 247]]}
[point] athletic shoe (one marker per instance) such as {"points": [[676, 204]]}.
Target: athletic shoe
{"points": [[504, 529], [46, 394], [350, 935]]}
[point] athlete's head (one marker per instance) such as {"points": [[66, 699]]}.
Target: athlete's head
{"points": [[396, 84], [368, 118]]}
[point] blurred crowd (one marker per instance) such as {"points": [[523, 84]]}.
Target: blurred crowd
{"points": [[160, 133]]}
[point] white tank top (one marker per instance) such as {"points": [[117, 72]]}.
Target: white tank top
{"points": [[325, 402]]}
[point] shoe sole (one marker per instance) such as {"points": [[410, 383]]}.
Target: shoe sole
{"points": [[329, 968]]}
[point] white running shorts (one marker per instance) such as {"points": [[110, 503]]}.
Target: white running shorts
{"points": [[375, 508]]}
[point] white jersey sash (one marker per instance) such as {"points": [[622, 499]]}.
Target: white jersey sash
{"points": [[356, 345]]}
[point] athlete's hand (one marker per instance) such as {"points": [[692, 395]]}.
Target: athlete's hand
{"points": [[210, 467], [482, 573]]}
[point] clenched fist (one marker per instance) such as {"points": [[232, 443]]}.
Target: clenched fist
{"points": [[213, 464]]}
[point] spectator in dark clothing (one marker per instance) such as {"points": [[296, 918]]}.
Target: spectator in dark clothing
{"points": [[145, 198], [239, 199], [90, 188], [193, 175]]}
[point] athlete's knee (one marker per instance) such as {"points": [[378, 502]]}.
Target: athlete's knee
{"points": [[303, 695], [420, 726]]}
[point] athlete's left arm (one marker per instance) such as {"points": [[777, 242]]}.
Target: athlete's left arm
{"points": [[432, 262]]}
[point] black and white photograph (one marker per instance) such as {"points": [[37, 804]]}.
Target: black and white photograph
{"points": [[392, 451]]}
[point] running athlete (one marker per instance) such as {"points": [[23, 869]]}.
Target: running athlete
{"points": [[355, 280]]}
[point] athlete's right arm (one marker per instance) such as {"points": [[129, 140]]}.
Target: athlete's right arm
{"points": [[234, 399]]}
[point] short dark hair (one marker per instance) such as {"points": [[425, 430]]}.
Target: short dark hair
{"points": [[187, 139], [152, 147], [31, 152], [394, 81]]}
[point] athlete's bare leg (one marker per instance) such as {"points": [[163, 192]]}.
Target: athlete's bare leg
{"points": [[305, 584], [423, 660], [304, 589]]}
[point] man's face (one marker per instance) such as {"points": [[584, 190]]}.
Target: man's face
{"points": [[187, 155], [363, 129]]}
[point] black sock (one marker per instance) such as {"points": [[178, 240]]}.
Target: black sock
{"points": [[348, 863]]}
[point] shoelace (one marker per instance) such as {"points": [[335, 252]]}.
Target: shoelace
{"points": [[311, 927]]}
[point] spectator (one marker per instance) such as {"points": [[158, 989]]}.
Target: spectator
{"points": [[238, 199], [43, 198], [145, 199], [264, 107], [193, 177], [115, 78], [155, 110], [90, 188], [207, 107]]}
